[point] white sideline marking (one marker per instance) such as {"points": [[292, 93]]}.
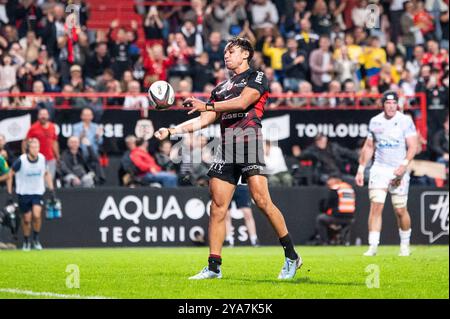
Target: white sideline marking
{"points": [[48, 294]]}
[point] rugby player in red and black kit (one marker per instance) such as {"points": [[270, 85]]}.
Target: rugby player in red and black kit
{"points": [[239, 104]]}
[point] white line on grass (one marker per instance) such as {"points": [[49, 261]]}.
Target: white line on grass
{"points": [[48, 294]]}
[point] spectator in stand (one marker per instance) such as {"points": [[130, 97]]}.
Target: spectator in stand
{"points": [[437, 102], [408, 29], [44, 130], [295, 65], [202, 74], [77, 169], [436, 58], [321, 19], [28, 14], [248, 33], [349, 88], [39, 100], [222, 16], [149, 171], [156, 64], [8, 72], [329, 159], [6, 151], [114, 87], [119, 47], [354, 51], [30, 45], [53, 83], [163, 157], [184, 91], [395, 14], [424, 21], [415, 63], [275, 53], [153, 26], [276, 169], [359, 14], [308, 40], [192, 35], [76, 78], [135, 101], [397, 69], [215, 48], [332, 101], [127, 77], [321, 64], [16, 101], [440, 144], [183, 54], [98, 61], [127, 167], [264, 15], [373, 58], [345, 67], [307, 99], [274, 102], [300, 12], [89, 130]]}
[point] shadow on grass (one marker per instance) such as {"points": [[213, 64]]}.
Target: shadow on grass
{"points": [[296, 281]]}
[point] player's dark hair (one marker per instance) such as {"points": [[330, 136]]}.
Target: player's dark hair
{"points": [[242, 43]]}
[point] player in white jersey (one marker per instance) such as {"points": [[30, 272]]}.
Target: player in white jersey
{"points": [[31, 172], [392, 137]]}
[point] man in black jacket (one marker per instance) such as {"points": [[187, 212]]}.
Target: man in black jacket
{"points": [[295, 65], [329, 159]]}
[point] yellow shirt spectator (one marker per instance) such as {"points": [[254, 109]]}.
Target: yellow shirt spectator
{"points": [[373, 58], [275, 53], [354, 53]]}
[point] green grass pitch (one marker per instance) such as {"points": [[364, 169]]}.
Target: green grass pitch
{"points": [[328, 272]]}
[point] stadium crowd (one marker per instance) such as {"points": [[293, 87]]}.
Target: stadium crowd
{"points": [[303, 46]]}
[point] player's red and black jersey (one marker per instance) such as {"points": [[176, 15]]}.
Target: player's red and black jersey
{"points": [[241, 150], [232, 88]]}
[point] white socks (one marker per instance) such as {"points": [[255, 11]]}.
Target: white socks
{"points": [[374, 238], [253, 239], [230, 240], [405, 236]]}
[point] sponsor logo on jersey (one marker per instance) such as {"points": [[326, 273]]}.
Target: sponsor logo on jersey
{"points": [[385, 143], [259, 77]]}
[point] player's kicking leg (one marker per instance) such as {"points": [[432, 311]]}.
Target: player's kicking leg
{"points": [[221, 195], [377, 199], [260, 192]]}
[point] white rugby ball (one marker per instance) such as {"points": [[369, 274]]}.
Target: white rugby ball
{"points": [[162, 95]]}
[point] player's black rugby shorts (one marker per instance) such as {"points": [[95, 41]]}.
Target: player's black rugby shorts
{"points": [[232, 163]]}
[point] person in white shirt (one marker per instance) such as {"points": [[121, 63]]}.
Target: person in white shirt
{"points": [[276, 168], [31, 173], [135, 101], [393, 139]]}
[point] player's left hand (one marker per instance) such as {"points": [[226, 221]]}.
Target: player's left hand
{"points": [[196, 104], [400, 171]]}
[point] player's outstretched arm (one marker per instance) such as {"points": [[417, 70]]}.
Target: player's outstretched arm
{"points": [[248, 97], [366, 155], [195, 124]]}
